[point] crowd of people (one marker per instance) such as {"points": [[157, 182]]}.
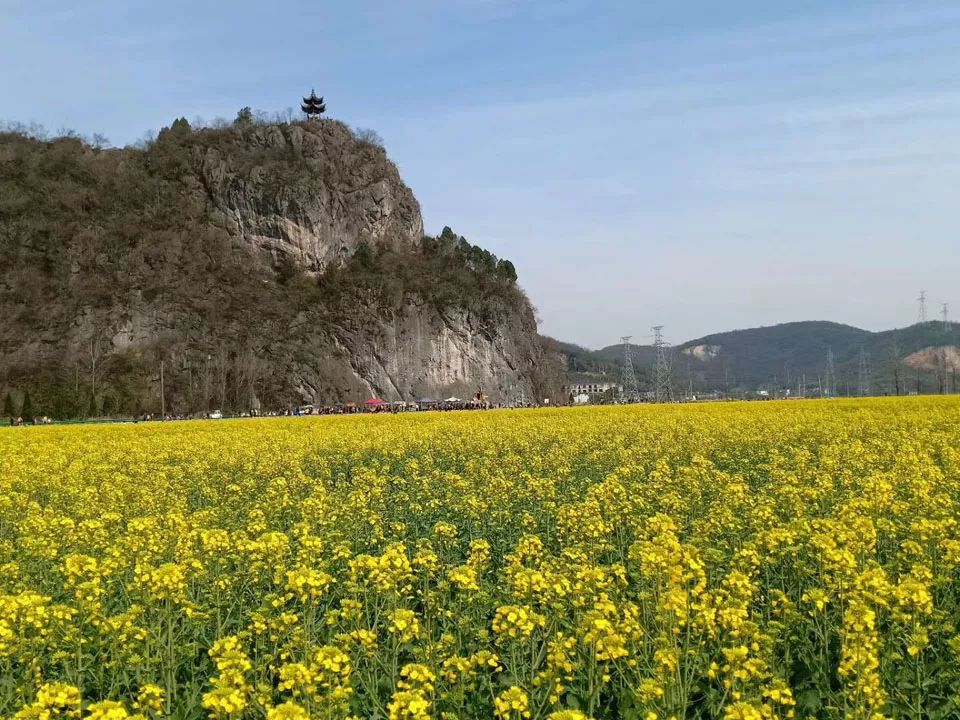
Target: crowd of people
{"points": [[40, 420], [479, 401]]}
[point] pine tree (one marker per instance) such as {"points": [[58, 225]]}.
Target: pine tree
{"points": [[244, 117], [506, 268], [180, 127], [26, 409]]}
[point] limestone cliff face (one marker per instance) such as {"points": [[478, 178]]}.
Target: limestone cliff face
{"points": [[261, 265], [310, 192], [425, 353]]}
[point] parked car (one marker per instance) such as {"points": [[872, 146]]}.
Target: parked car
{"points": [[216, 415]]}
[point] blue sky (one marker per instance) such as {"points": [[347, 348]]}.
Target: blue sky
{"points": [[701, 165]]}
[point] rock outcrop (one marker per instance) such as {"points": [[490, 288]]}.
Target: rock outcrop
{"points": [[261, 265], [311, 192], [946, 357]]}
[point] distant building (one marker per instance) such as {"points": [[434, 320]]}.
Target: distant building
{"points": [[590, 392]]}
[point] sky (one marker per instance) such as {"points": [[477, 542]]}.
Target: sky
{"points": [[704, 166]]}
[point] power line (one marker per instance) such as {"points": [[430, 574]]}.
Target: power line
{"points": [[628, 378], [662, 385]]}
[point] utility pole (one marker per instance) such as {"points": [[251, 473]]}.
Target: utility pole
{"points": [[922, 309], [863, 375], [945, 312], [628, 379], [662, 385], [896, 365], [831, 374]]}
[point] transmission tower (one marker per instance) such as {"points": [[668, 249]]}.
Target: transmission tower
{"points": [[830, 380], [945, 312], [922, 309], [863, 376], [662, 388], [628, 379]]}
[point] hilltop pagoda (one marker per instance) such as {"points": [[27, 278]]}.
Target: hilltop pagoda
{"points": [[313, 106]]}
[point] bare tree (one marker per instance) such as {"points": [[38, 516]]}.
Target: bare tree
{"points": [[146, 140], [368, 135], [942, 370], [206, 383], [97, 349], [223, 368]]}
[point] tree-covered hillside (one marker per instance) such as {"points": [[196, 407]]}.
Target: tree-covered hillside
{"points": [[257, 264], [785, 356]]}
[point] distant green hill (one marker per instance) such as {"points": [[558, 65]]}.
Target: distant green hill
{"points": [[924, 356]]}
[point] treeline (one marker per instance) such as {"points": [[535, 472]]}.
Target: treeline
{"points": [[445, 272], [246, 117]]}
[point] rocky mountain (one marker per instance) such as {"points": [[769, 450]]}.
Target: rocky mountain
{"points": [[257, 265], [923, 356]]}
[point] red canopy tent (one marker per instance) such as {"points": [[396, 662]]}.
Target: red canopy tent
{"points": [[374, 402]]}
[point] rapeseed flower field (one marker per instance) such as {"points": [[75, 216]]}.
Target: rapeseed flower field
{"points": [[736, 561]]}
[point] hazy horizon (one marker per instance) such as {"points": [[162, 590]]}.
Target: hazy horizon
{"points": [[698, 166]]}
